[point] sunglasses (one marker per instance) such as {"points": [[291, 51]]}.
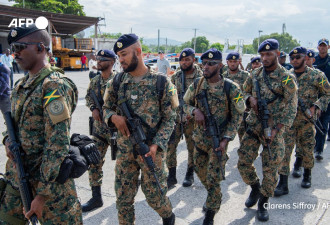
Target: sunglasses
{"points": [[296, 57], [19, 46], [102, 59], [210, 63]]}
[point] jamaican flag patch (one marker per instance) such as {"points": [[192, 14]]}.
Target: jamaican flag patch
{"points": [[51, 96]]}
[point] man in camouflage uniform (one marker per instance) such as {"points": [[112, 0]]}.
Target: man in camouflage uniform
{"points": [[310, 58], [42, 104], [282, 61], [227, 116], [279, 90], [255, 63], [100, 131], [137, 87], [189, 72], [239, 76], [313, 95]]}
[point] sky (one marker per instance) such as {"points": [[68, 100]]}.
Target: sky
{"points": [[306, 20]]}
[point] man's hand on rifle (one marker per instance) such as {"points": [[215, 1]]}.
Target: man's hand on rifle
{"points": [[96, 115], [315, 110], [222, 146], [199, 117], [254, 104], [153, 150], [37, 206], [121, 125], [8, 152]]}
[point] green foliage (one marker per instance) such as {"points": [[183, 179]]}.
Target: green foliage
{"points": [[249, 49], [218, 46], [286, 41], [55, 6], [109, 35]]}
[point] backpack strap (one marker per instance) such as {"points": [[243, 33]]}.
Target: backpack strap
{"points": [[160, 86], [116, 82], [227, 86]]}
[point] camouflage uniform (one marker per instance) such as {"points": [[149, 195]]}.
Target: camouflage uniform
{"points": [[142, 98], [313, 89], [239, 78], [188, 125], [282, 111], [100, 130], [43, 125], [206, 162]]}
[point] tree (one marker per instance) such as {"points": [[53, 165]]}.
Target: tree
{"points": [[218, 46], [248, 49], [286, 41], [55, 6], [107, 35], [202, 44]]}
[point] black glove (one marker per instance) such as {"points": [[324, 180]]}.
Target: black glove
{"points": [[80, 164], [65, 170], [91, 154]]}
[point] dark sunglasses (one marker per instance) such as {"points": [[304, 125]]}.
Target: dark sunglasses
{"points": [[210, 63], [19, 46], [296, 57], [102, 59]]}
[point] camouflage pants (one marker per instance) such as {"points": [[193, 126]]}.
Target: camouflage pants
{"points": [[126, 185], [248, 152], [62, 207], [207, 168], [302, 134], [171, 160], [95, 172], [241, 131]]}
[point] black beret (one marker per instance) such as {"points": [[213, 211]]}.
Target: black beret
{"points": [[125, 41], [323, 41], [212, 53], [282, 54], [298, 50], [17, 33], [233, 56], [268, 45], [256, 59], [106, 53], [311, 53], [186, 52]]}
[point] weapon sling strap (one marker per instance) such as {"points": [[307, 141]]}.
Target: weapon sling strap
{"points": [[267, 82], [99, 96]]}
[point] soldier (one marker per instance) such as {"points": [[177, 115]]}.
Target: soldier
{"points": [[225, 101], [255, 63], [100, 131], [137, 87], [322, 62], [282, 59], [277, 101], [313, 95], [42, 104], [239, 76], [311, 58], [182, 79]]}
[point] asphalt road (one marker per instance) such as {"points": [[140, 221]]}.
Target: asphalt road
{"points": [[300, 206]]}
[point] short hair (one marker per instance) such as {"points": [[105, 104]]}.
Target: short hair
{"points": [[40, 36]]}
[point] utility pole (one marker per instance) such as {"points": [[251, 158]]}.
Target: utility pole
{"points": [[165, 46], [131, 30], [158, 40], [195, 40], [259, 38]]}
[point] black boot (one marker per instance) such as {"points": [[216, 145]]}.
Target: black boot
{"points": [[307, 180], [254, 195], [171, 179], [318, 156], [189, 179], [282, 187], [209, 217], [297, 168], [170, 220], [262, 213], [204, 207], [96, 200]]}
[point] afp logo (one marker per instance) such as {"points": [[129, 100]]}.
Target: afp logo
{"points": [[41, 22]]}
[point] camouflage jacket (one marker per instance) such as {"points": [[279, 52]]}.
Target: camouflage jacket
{"points": [[99, 128], [219, 107], [142, 98], [43, 126], [239, 77], [283, 110], [189, 79], [313, 89]]}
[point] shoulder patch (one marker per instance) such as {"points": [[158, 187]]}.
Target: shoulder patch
{"points": [[58, 110], [238, 98], [287, 80], [49, 97]]}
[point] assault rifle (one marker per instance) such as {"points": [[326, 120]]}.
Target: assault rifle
{"points": [[308, 114]]}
